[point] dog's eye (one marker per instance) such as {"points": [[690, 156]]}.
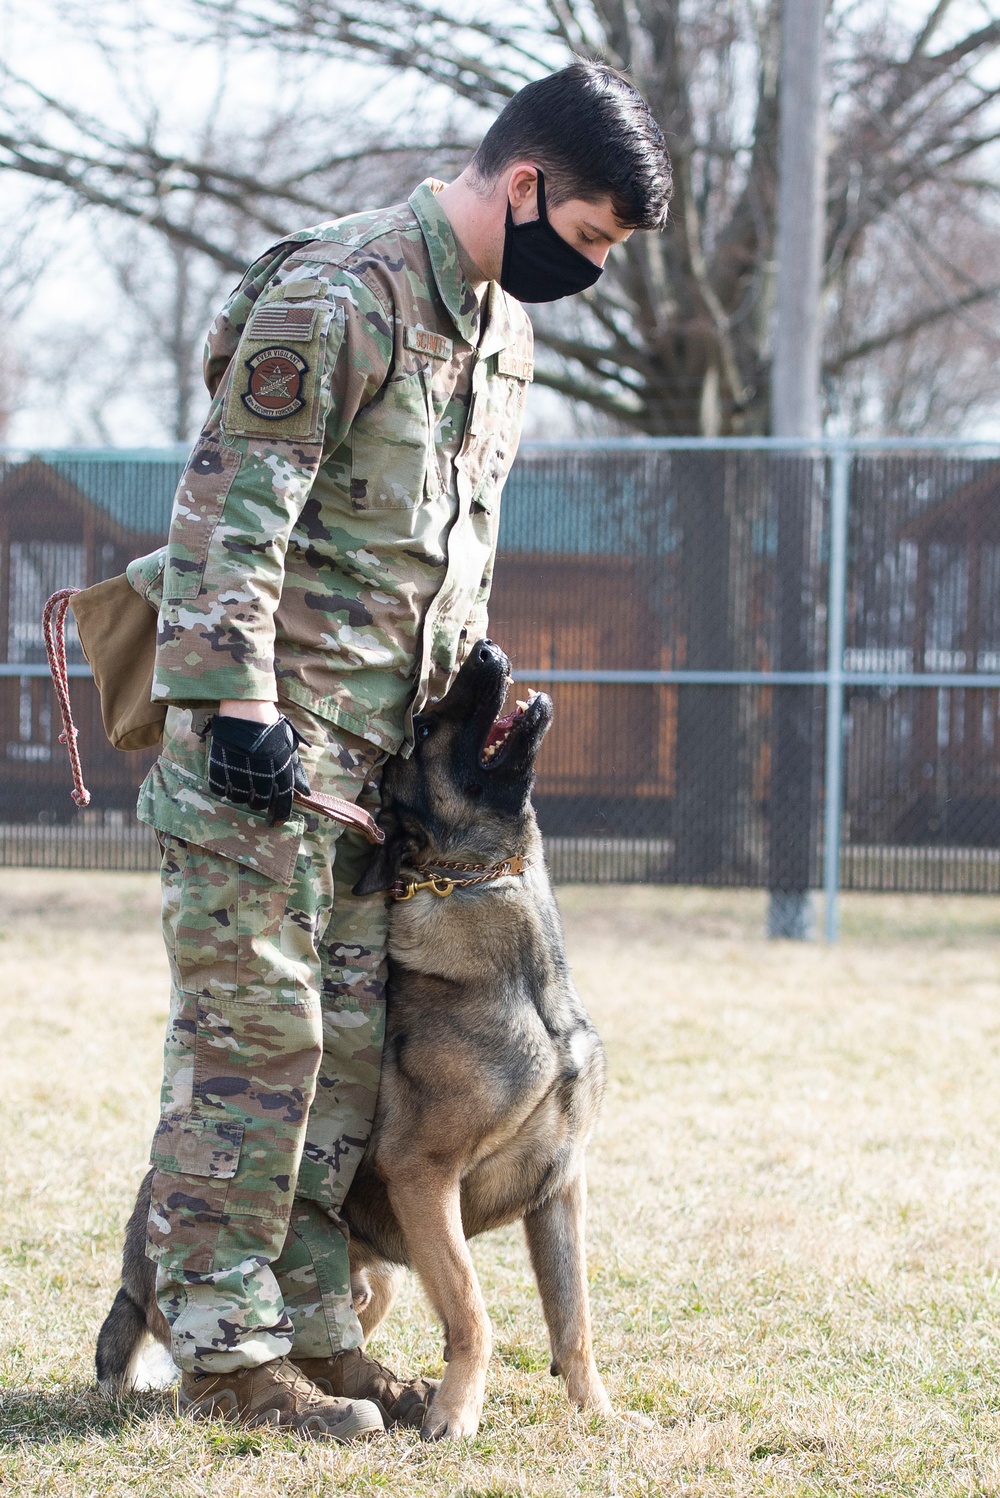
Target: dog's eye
{"points": [[424, 730]]}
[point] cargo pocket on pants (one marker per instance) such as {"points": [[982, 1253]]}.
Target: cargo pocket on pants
{"points": [[195, 1159], [275, 960], [227, 879]]}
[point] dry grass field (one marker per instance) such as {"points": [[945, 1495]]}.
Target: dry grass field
{"points": [[795, 1214]]}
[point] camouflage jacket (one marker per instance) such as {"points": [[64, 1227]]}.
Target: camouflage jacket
{"points": [[333, 534]]}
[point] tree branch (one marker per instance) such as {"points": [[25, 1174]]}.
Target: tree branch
{"points": [[395, 34], [595, 358], [590, 395], [727, 353], [94, 197], [919, 70], [906, 330]]}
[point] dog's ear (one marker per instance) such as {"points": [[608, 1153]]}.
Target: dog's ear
{"points": [[383, 866]]}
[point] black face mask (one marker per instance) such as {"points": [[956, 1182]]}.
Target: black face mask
{"points": [[538, 264]]}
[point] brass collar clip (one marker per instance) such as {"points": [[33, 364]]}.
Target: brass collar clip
{"points": [[458, 876]]}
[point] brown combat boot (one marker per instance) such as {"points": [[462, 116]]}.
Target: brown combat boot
{"points": [[277, 1394], [357, 1376]]}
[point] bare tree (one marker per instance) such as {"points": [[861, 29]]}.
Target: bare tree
{"points": [[938, 373], [172, 293], [676, 336], [11, 380], [170, 234], [25, 251]]}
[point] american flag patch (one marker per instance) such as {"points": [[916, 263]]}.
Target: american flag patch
{"points": [[277, 321]]}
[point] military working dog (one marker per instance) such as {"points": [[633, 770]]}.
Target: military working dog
{"points": [[492, 1071]]}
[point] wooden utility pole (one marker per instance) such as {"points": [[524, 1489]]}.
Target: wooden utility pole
{"points": [[795, 412]]}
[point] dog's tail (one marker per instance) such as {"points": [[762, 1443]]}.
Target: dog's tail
{"points": [[128, 1357], [120, 1343]]}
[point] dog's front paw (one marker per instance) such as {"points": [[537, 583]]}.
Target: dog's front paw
{"points": [[635, 1419], [586, 1391], [450, 1419], [361, 1290]]}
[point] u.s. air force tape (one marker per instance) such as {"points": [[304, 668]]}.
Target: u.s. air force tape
{"points": [[514, 366]]}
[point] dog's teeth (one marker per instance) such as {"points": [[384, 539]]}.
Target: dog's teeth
{"points": [[523, 706]]}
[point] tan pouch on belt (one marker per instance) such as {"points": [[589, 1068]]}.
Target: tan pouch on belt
{"points": [[118, 634]]}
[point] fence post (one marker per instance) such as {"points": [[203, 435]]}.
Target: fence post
{"points": [[840, 481]]}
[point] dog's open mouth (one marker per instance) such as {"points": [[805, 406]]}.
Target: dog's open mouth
{"points": [[502, 733]]}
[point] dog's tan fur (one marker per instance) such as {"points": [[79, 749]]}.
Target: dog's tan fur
{"points": [[492, 1072]]}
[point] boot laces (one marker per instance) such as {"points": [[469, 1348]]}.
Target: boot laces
{"points": [[394, 1383], [297, 1383]]}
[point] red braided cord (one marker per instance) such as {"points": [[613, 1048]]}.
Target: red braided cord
{"points": [[54, 631]]}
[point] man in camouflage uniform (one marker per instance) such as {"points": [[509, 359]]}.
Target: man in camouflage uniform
{"points": [[328, 568]]}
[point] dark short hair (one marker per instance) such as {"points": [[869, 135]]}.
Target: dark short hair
{"points": [[593, 135]]}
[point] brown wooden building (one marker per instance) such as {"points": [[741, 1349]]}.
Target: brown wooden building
{"points": [[677, 570], [924, 763], [577, 612], [57, 532], [69, 524]]}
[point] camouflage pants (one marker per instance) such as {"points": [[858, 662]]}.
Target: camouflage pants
{"points": [[272, 1055]]}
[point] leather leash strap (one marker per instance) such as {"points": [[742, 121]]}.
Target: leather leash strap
{"points": [[339, 810], [449, 879]]}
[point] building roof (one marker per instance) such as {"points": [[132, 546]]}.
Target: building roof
{"points": [[567, 504], [970, 513], [134, 486]]}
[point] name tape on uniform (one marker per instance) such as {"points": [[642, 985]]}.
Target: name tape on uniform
{"points": [[423, 341], [515, 366]]}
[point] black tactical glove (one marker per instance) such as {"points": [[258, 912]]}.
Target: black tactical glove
{"points": [[256, 765]]}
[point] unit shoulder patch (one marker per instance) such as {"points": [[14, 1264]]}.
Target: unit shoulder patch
{"points": [[423, 341], [275, 383], [514, 366]]}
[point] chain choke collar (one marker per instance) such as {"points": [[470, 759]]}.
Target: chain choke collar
{"points": [[445, 878]]}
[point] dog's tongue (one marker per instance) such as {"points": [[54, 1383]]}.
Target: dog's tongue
{"points": [[501, 728]]}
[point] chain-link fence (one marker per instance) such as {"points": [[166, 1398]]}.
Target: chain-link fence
{"points": [[774, 664]]}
